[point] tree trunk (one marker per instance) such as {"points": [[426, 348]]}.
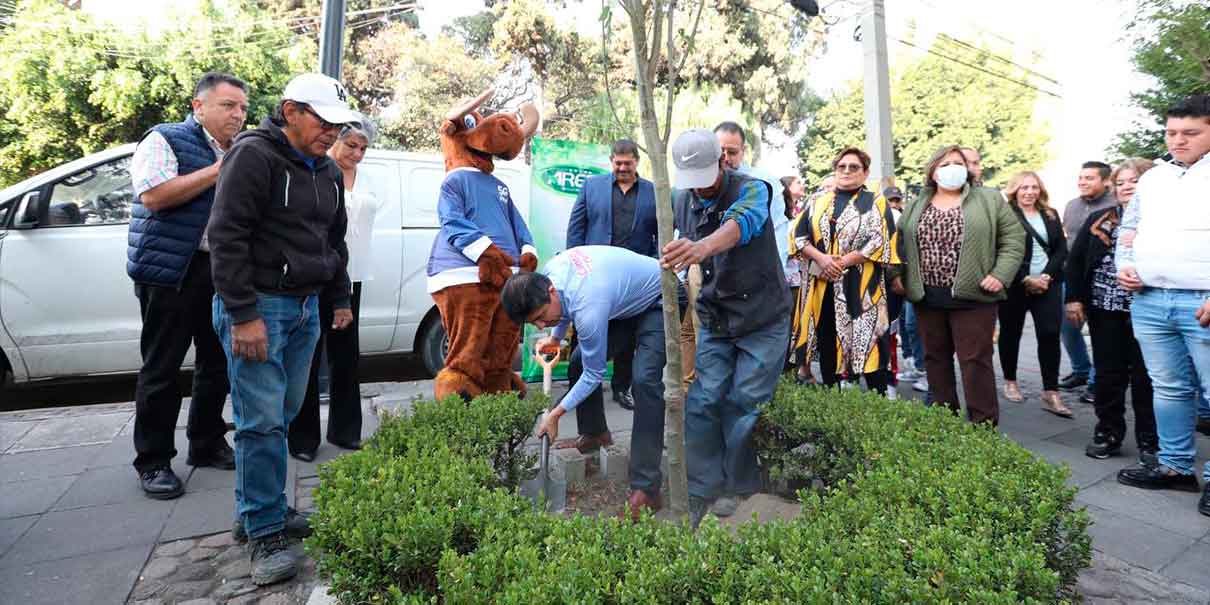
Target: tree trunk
{"points": [[674, 396]]}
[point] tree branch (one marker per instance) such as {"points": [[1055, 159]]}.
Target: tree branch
{"points": [[606, 63], [656, 32]]}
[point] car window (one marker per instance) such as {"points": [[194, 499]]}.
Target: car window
{"points": [[99, 195], [423, 186], [5, 209]]}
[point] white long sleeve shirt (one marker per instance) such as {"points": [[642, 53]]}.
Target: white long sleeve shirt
{"points": [[1170, 215]]}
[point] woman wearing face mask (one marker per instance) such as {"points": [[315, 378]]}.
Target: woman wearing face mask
{"points": [[848, 238], [960, 245], [1093, 293], [1035, 289], [344, 406]]}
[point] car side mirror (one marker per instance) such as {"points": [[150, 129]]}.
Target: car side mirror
{"points": [[27, 211]]}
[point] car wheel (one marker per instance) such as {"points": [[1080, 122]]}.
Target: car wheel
{"points": [[434, 344]]}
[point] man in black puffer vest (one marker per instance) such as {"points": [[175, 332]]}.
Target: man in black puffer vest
{"points": [[174, 170], [743, 313]]}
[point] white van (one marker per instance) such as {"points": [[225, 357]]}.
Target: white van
{"points": [[67, 307]]}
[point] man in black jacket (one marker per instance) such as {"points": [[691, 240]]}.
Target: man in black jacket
{"points": [[277, 242]]}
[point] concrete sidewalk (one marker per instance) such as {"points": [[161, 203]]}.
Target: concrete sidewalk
{"points": [[75, 528]]}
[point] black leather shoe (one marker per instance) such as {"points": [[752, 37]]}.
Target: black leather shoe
{"points": [[219, 456], [1157, 477], [1087, 396], [298, 525], [304, 455], [161, 484], [1203, 505], [624, 399], [1103, 446], [347, 445], [1072, 381]]}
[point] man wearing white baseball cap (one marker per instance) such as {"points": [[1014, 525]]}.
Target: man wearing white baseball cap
{"points": [[277, 243], [743, 318]]}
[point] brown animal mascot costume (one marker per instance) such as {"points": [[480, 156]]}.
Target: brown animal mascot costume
{"points": [[483, 240]]}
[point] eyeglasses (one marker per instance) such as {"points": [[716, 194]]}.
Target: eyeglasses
{"points": [[849, 168], [324, 124]]}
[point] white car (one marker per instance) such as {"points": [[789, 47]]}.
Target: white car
{"points": [[67, 307]]}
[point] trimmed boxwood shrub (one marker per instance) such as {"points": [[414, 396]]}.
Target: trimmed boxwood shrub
{"points": [[916, 506]]}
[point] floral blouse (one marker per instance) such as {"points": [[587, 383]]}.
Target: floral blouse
{"points": [[940, 236]]}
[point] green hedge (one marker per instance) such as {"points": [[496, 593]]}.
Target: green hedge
{"points": [[917, 507]]}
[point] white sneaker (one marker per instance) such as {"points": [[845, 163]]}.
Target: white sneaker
{"points": [[909, 375], [892, 392], [921, 385]]}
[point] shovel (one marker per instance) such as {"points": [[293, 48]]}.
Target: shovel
{"points": [[543, 489]]}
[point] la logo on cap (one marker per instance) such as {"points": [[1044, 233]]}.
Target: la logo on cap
{"points": [[340, 93]]}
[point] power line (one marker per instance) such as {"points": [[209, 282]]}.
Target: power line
{"points": [[979, 68], [955, 41]]}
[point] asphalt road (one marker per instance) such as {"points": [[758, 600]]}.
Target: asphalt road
{"points": [[118, 389]]}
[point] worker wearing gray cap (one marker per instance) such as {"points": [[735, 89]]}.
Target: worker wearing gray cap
{"points": [[744, 318]]}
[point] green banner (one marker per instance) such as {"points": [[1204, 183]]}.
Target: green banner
{"points": [[559, 170]]}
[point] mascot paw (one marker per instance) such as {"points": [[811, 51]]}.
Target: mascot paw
{"points": [[529, 262], [519, 385], [495, 267], [452, 382]]}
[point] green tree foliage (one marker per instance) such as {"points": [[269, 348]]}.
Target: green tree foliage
{"points": [[935, 102], [1172, 45], [70, 85]]}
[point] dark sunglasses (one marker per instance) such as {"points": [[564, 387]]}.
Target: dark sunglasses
{"points": [[324, 124], [849, 168]]}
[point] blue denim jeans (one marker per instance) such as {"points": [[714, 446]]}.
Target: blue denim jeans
{"points": [[912, 345], [647, 387], [265, 397], [1176, 350], [1077, 349], [734, 376]]}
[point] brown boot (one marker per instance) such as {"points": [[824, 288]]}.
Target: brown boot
{"points": [[639, 500], [591, 443]]}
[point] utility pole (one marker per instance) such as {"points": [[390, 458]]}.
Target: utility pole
{"points": [[877, 94], [331, 38]]}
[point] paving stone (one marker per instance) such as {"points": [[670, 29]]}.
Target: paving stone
{"points": [[148, 602], [200, 513], [198, 602], [1085, 471], [102, 577], [193, 571], [44, 464], [574, 464], [234, 588], [92, 429], [248, 599], [305, 504], [147, 589], [615, 462], [1173, 511], [1111, 581], [174, 549], [279, 598], [308, 482], [1190, 566], [105, 485], [183, 591], [236, 570], [11, 530], [207, 478], [218, 540], [1136, 542], [161, 568], [321, 596], [33, 497], [11, 432], [119, 452], [201, 554], [60, 534]]}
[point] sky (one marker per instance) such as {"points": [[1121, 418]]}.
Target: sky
{"points": [[1078, 43]]}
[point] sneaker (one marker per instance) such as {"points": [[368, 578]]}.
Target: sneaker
{"points": [[1088, 396], [1103, 446], [298, 526], [911, 375], [892, 392], [1203, 504], [1203, 426], [921, 385], [725, 506], [272, 559]]}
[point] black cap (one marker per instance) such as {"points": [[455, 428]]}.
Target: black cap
{"points": [[892, 193]]}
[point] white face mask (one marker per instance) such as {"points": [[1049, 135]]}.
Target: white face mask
{"points": [[951, 177]]}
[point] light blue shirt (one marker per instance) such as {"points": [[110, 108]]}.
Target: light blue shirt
{"points": [[597, 284], [777, 208], [1037, 262]]}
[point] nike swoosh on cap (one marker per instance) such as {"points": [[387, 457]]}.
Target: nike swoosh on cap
{"points": [[686, 158]]}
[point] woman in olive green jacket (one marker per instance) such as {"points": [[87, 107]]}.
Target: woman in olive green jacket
{"points": [[960, 246]]}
